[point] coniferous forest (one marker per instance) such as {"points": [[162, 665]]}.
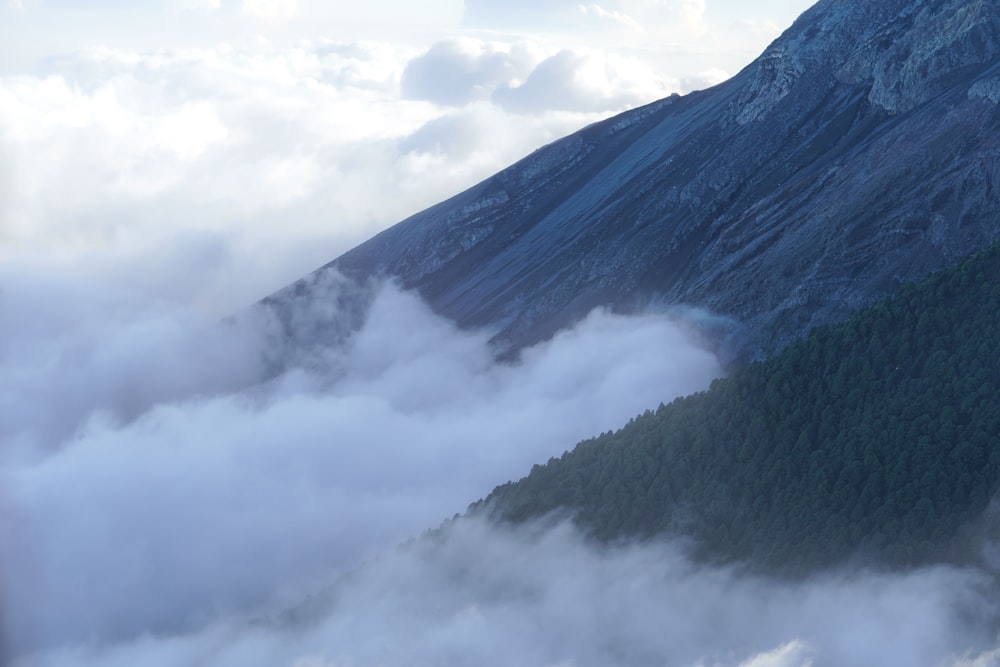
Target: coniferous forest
{"points": [[878, 439]]}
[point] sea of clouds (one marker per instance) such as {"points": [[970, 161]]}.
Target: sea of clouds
{"points": [[157, 470]]}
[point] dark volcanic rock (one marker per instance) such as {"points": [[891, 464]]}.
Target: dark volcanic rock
{"points": [[859, 151]]}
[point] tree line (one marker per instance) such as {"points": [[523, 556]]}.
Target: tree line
{"points": [[878, 437]]}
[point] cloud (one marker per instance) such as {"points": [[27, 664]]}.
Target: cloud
{"points": [[198, 5], [792, 654], [987, 659], [702, 80], [689, 14], [542, 595], [658, 17], [523, 78], [580, 81], [599, 12], [534, 14], [454, 135], [71, 353], [567, 16], [270, 9], [456, 72], [158, 473], [119, 163]]}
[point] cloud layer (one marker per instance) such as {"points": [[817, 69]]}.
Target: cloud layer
{"points": [[542, 596], [156, 477]]}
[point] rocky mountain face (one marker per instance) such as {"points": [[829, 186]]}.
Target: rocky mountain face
{"points": [[861, 150]]}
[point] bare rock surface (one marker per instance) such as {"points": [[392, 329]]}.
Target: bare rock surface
{"points": [[861, 150]]}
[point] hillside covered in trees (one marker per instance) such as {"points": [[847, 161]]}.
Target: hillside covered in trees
{"points": [[878, 438]]}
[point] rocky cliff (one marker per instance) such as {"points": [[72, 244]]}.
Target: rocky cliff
{"points": [[859, 151]]}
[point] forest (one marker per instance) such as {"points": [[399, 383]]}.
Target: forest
{"points": [[877, 439]]}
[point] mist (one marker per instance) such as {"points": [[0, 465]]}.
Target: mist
{"points": [[158, 473], [541, 594]]}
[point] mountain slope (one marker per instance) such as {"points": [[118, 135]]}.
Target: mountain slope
{"points": [[876, 436], [858, 152]]}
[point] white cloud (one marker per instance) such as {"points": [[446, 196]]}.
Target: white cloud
{"points": [[489, 596], [453, 136], [677, 17], [690, 14], [793, 654], [583, 81], [530, 14], [985, 659], [526, 78], [198, 5], [270, 9], [620, 18], [151, 481], [457, 72], [276, 158], [702, 80]]}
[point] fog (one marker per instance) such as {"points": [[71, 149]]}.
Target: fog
{"points": [[541, 595], [157, 472]]}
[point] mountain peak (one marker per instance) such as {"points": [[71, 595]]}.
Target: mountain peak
{"points": [[922, 50], [906, 51]]}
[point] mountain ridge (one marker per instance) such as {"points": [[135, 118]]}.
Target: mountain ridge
{"points": [[856, 153]]}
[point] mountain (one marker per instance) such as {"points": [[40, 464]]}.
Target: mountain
{"points": [[858, 152], [875, 438]]}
